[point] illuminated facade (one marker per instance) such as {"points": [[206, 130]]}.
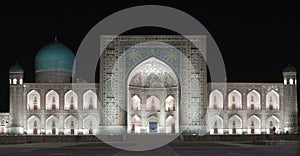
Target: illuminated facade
{"points": [[142, 89]]}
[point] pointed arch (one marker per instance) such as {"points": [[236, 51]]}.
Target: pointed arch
{"points": [[170, 103], [273, 121], [254, 122], [235, 122], [90, 100], [52, 122], [136, 103], [52, 100], [33, 125], [253, 100], [152, 118], [90, 122], [170, 124], [135, 124], [216, 122], [153, 103], [170, 120], [235, 100], [31, 120], [71, 100], [69, 124], [272, 100], [216, 100], [135, 119], [149, 75], [155, 66], [33, 100]]}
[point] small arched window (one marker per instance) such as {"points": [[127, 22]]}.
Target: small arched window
{"points": [[233, 98], [72, 123], [72, 99], [271, 123], [252, 98], [53, 123], [215, 98], [91, 103], [291, 81], [21, 81], [285, 81], [14, 81], [35, 123]]}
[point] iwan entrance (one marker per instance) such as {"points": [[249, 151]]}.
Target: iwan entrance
{"points": [[153, 98]]}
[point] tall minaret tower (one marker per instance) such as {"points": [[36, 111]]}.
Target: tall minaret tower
{"points": [[16, 106], [290, 108]]}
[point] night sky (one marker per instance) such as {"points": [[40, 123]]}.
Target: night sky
{"points": [[256, 40]]}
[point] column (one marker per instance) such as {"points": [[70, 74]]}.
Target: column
{"points": [[143, 112], [162, 113]]}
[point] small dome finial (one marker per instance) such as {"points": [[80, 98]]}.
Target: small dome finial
{"points": [[55, 39], [16, 69], [289, 68]]}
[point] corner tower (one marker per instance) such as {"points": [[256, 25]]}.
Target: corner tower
{"points": [[290, 109], [16, 106]]}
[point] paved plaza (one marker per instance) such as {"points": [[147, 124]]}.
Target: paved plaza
{"points": [[186, 148]]}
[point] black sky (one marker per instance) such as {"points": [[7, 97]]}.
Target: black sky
{"points": [[256, 40]]}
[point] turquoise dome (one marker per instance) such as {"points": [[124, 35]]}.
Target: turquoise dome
{"points": [[54, 56], [289, 69], [16, 69]]}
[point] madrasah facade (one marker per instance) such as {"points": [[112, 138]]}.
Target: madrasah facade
{"points": [[145, 90]]}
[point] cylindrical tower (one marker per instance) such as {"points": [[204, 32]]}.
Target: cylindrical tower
{"points": [[290, 108], [16, 105]]}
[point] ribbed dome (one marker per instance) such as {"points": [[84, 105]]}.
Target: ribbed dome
{"points": [[289, 69], [16, 69], [54, 56]]}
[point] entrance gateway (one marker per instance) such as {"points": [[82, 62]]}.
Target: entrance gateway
{"points": [[153, 127], [153, 84]]}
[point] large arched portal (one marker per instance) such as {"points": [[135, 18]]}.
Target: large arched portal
{"points": [[164, 74], [153, 96]]}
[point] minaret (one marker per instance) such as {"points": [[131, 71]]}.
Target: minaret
{"points": [[16, 105], [290, 108]]}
